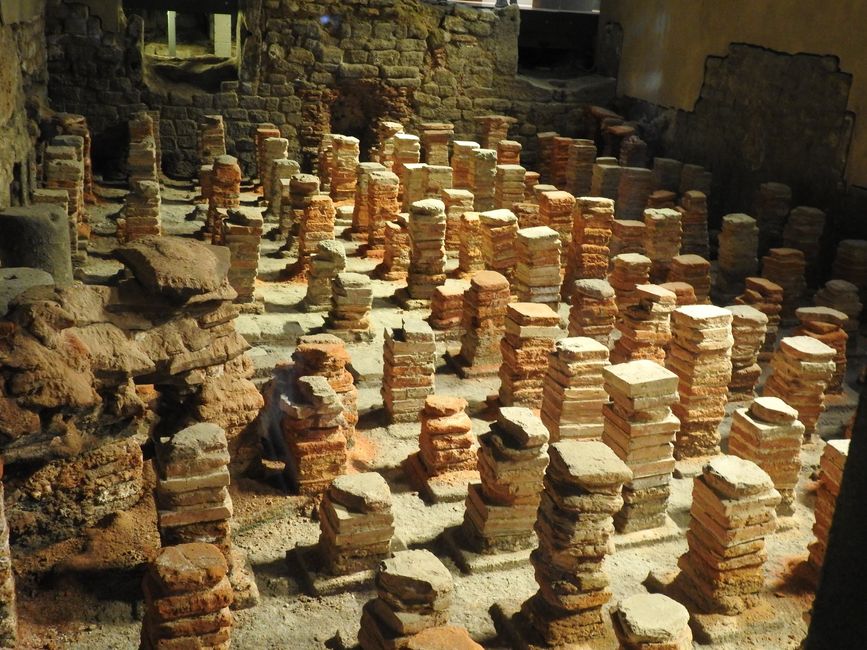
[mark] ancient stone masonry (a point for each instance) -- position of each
(509, 152)
(801, 370)
(537, 273)
(409, 360)
(693, 209)
(481, 178)
(212, 138)
(263, 132)
(592, 221)
(508, 185)
(317, 225)
(666, 174)
(64, 172)
(773, 202)
(413, 184)
(470, 258)
(700, 356)
(530, 333)
(398, 248)
(634, 186)
(614, 132)
(651, 622)
(850, 264)
(282, 170)
(645, 327)
(786, 267)
(544, 152)
(627, 236)
(344, 162)
(694, 270)
(527, 214)
(141, 212)
(826, 325)
(582, 492)
(639, 426)
(76, 125)
(328, 260)
(383, 151)
(831, 466)
(142, 157)
(413, 594)
(531, 181)
(356, 525)
(242, 235)
(683, 291)
(361, 206)
(842, 296)
(187, 599)
(738, 255)
(633, 152)
(572, 396)
(769, 434)
(463, 153)
(593, 310)
(501, 510)
(407, 150)
(436, 179)
(435, 139)
(456, 202)
(499, 230)
(493, 128)
(749, 328)
(351, 301)
(606, 182)
(662, 239)
(446, 310)
(560, 161)
(225, 193)
(662, 199)
(767, 297)
(8, 610)
(803, 232)
(301, 190)
(732, 512)
(579, 167)
(383, 205)
(427, 233)
(555, 211)
(629, 270)
(273, 149)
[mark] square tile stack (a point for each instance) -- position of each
(614, 132)
(662, 239)
(842, 296)
(544, 153)
(225, 192)
(242, 235)
(446, 309)
(769, 434)
(317, 225)
(484, 321)
(684, 292)
(435, 138)
(803, 231)
(732, 512)
(64, 169)
(662, 199)
(645, 327)
(264, 131)
(530, 334)
(786, 267)
(282, 169)
(409, 363)
(850, 264)
(187, 596)
(801, 369)
(693, 208)
(142, 156)
(634, 186)
(540, 188)
(831, 466)
(593, 310)
(361, 206)
(666, 174)
(695, 177)
(395, 256)
(560, 160)
(508, 185)
(537, 273)
(767, 297)
(355, 523)
(383, 205)
(527, 214)
(749, 328)
(8, 610)
(407, 151)
(499, 230)
(212, 138)
(627, 236)
(192, 496)
(589, 255)
(383, 150)
(582, 492)
(694, 270)
(606, 180)
(633, 152)
(446, 442)
(531, 180)
(141, 211)
(324, 160)
(461, 161)
(501, 510)
(773, 202)
(436, 179)
(272, 149)
(737, 254)
(313, 429)
(470, 256)
(351, 301)
(427, 260)
(639, 426)
(573, 396)
(555, 211)
(302, 188)
(482, 177)
(414, 593)
(493, 128)
(579, 169)
(628, 271)
(826, 325)
(413, 184)
(700, 356)
(651, 622)
(509, 152)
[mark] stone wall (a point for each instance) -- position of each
(312, 64)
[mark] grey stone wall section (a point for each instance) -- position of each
(37, 236)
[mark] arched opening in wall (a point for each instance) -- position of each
(360, 103)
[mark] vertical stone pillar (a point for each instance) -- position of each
(527, 214)
(749, 328)
(684, 292)
(446, 308)
(407, 150)
(328, 260)
(693, 210)
(732, 512)
(317, 225)
(351, 302)
(436, 179)
(456, 203)
(831, 466)
(531, 330)
(695, 177)
(645, 327)
(493, 128)
(767, 297)
(592, 221)
(666, 174)
(662, 199)
(242, 234)
(446, 442)
(826, 325)
(206, 173)
(593, 310)
(629, 270)
(555, 211)
(141, 212)
(662, 239)
(651, 622)
(396, 256)
(361, 207)
(499, 229)
(544, 153)
(850, 264)
(187, 598)
(273, 149)
(435, 138)
(633, 152)
(282, 169)
(264, 131)
(142, 156)
(461, 162)
(158, 146)
(633, 188)
(356, 525)
(582, 492)
(508, 185)
(640, 427)
(579, 168)
(481, 178)
(225, 193)
(572, 394)
(738, 255)
(509, 152)
(531, 180)
(483, 322)
(500, 510)
(606, 182)
(383, 150)
(72, 124)
(773, 202)
(842, 296)
(427, 232)
(64, 171)
(560, 161)
(537, 273)
(694, 270)
(627, 236)
(786, 267)
(212, 138)
(383, 205)
(409, 363)
(344, 162)
(700, 356)
(8, 609)
(470, 257)
(412, 184)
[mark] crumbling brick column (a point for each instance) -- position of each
(282, 169)
(427, 232)
(435, 139)
(328, 260)
(579, 167)
(544, 151)
(499, 229)
(531, 330)
(606, 182)
(826, 325)
(555, 211)
(629, 270)
(842, 296)
(509, 152)
(483, 322)
(273, 149)
(446, 308)
(142, 156)
(786, 267)
(242, 234)
(413, 184)
(633, 152)
(588, 253)
(212, 138)
(627, 236)
(749, 328)
(693, 210)
(593, 310)
(456, 203)
(831, 466)
(461, 162)
(773, 202)
(693, 270)
(537, 272)
(351, 302)
(645, 327)
(470, 257)
(72, 124)
(738, 255)
(446, 441)
(767, 297)
(633, 188)
(344, 161)
(383, 151)
(481, 178)
(493, 128)
(850, 264)
(527, 214)
(508, 185)
(264, 131)
(407, 150)
(302, 189)
(316, 225)
(361, 207)
(383, 201)
(560, 149)
(396, 256)
(141, 212)
(409, 363)
(225, 193)
(666, 174)
(436, 179)
(662, 239)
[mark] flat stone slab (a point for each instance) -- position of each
(471, 562)
(456, 363)
(650, 537)
(518, 634)
(448, 488)
(306, 564)
(402, 298)
(690, 467)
